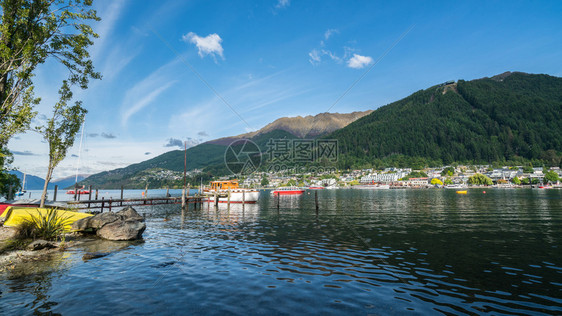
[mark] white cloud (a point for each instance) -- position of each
(358, 61)
(315, 57)
(208, 45)
(329, 33)
(143, 102)
(282, 4)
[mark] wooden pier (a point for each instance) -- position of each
(109, 204)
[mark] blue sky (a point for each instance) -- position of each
(163, 61)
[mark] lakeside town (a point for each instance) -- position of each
(395, 178)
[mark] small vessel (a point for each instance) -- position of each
(287, 191)
(462, 192)
(22, 191)
(231, 187)
(316, 188)
(82, 190)
(16, 215)
(372, 186)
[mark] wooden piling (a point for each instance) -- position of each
(316, 200)
(89, 192)
(168, 192)
(278, 201)
(110, 204)
(121, 195)
(182, 199)
(55, 195)
(102, 203)
(228, 199)
(243, 198)
(97, 194)
(216, 199)
(75, 191)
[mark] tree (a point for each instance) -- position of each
(32, 32)
(525, 181)
(449, 171)
(448, 181)
(480, 179)
(435, 181)
(60, 131)
(9, 183)
(551, 177)
(516, 181)
(264, 181)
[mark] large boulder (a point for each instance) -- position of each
(122, 230)
(126, 224)
(95, 222)
(130, 213)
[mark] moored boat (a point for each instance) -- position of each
(14, 216)
(287, 191)
(316, 188)
(372, 187)
(230, 187)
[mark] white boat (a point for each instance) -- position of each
(455, 186)
(230, 187)
(372, 186)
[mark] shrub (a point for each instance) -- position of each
(49, 226)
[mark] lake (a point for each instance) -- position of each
(365, 252)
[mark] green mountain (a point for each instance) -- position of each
(157, 171)
(509, 117)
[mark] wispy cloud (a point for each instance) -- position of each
(23, 153)
(190, 142)
(137, 97)
(329, 33)
(358, 61)
(203, 134)
(108, 135)
(282, 4)
(208, 45)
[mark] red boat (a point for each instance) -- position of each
(287, 191)
(79, 191)
(316, 188)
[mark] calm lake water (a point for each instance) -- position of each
(366, 252)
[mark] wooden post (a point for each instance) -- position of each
(146, 191)
(89, 192)
(216, 199)
(75, 191)
(55, 195)
(228, 199)
(78, 196)
(278, 201)
(243, 198)
(182, 199)
(121, 195)
(102, 203)
(168, 192)
(97, 194)
(316, 200)
(110, 204)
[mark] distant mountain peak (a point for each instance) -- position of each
(309, 126)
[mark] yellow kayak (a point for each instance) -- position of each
(462, 192)
(15, 215)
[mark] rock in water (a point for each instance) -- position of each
(95, 222)
(126, 224)
(94, 255)
(130, 213)
(40, 244)
(122, 230)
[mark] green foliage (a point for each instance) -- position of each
(60, 131)
(525, 181)
(415, 174)
(49, 226)
(436, 181)
(8, 183)
(448, 181)
(480, 179)
(32, 33)
(551, 177)
(516, 181)
(264, 181)
(528, 169)
(483, 121)
(449, 171)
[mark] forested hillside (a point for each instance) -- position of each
(512, 116)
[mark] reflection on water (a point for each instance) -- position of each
(378, 252)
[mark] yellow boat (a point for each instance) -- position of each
(17, 215)
(462, 192)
